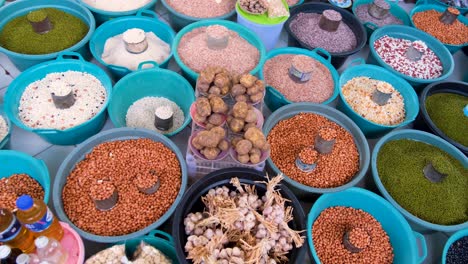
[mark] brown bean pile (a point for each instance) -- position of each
(16, 185)
(308, 155)
(101, 190)
(146, 180)
(455, 34)
(328, 231)
(291, 135)
(120, 162)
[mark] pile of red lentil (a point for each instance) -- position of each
(290, 136)
(120, 162)
(16, 185)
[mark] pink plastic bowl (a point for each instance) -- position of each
(73, 243)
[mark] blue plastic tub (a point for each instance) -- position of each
(70, 136)
(2, 2)
(274, 99)
(395, 10)
(369, 128)
(4, 142)
(404, 240)
(412, 34)
(15, 162)
(102, 16)
(440, 8)
(463, 10)
(244, 32)
(288, 111)
(458, 235)
(145, 20)
(417, 223)
(150, 82)
(79, 153)
(20, 8)
(179, 20)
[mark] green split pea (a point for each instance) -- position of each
(18, 35)
(446, 111)
(400, 166)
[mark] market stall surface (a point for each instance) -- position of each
(53, 155)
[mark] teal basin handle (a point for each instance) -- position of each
(356, 62)
(371, 25)
(155, 64)
(147, 13)
(323, 53)
(422, 245)
(69, 55)
(161, 234)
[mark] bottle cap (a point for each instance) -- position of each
(4, 251)
(22, 259)
(24, 202)
(41, 242)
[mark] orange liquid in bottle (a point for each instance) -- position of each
(13, 234)
(37, 217)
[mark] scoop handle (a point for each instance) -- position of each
(421, 245)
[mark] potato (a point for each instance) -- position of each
(235, 79)
(251, 116)
(222, 79)
(218, 105)
(247, 80)
(243, 158)
(207, 76)
(211, 153)
(255, 158)
(224, 90)
(255, 151)
(256, 136)
(223, 145)
(238, 89)
(253, 90)
(203, 137)
(203, 106)
(203, 87)
(255, 98)
(215, 90)
(266, 147)
(219, 131)
(260, 84)
(196, 144)
(235, 140)
(249, 125)
(229, 118)
(199, 119)
(216, 119)
(240, 109)
(241, 98)
(243, 147)
(236, 125)
(209, 126)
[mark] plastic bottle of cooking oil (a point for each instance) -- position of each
(37, 217)
(50, 250)
(13, 233)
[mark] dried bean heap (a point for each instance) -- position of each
(241, 227)
(393, 52)
(214, 80)
(362, 12)
(251, 147)
(3, 128)
(317, 90)
(290, 136)
(203, 8)
(210, 112)
(358, 94)
(211, 142)
(428, 21)
(120, 162)
(37, 108)
(364, 232)
(16, 185)
(253, 6)
(248, 88)
(242, 117)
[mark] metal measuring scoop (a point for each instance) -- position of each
(432, 174)
(349, 245)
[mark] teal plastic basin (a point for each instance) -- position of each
(458, 235)
(334, 115)
(463, 10)
(150, 82)
(2, 2)
(70, 136)
(145, 20)
(413, 34)
(404, 240)
(15, 162)
(79, 153)
(6, 139)
(102, 16)
(244, 32)
(273, 98)
(159, 240)
(440, 8)
(20, 8)
(357, 68)
(395, 10)
(178, 20)
(417, 223)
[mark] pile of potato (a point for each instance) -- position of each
(242, 117)
(250, 147)
(214, 80)
(210, 111)
(211, 142)
(247, 88)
